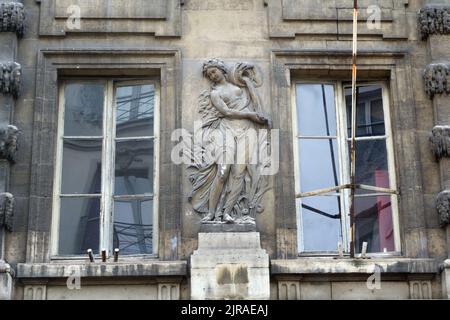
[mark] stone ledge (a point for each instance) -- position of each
(353, 266)
(119, 269)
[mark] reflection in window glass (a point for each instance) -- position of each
(83, 111)
(133, 226)
(79, 225)
(135, 110)
(374, 225)
(321, 223)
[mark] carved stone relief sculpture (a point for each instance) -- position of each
(440, 141)
(227, 178)
(8, 143)
(434, 20)
(6, 210)
(443, 207)
(10, 74)
(12, 17)
(437, 79)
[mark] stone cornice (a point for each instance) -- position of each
(10, 76)
(434, 20)
(437, 79)
(12, 17)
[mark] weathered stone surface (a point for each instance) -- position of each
(10, 74)
(389, 290)
(119, 269)
(6, 281)
(6, 210)
(434, 20)
(445, 276)
(443, 207)
(440, 141)
(437, 79)
(103, 292)
(8, 143)
(12, 17)
(229, 266)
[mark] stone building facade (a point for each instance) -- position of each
(92, 91)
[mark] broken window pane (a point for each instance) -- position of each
(133, 226)
(83, 110)
(134, 167)
(369, 112)
(321, 223)
(374, 225)
(319, 164)
(81, 172)
(316, 114)
(135, 110)
(79, 225)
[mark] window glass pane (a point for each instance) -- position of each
(133, 226)
(81, 171)
(79, 225)
(83, 110)
(369, 112)
(373, 218)
(135, 110)
(321, 223)
(316, 114)
(372, 164)
(134, 167)
(319, 166)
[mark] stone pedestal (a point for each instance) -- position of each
(446, 280)
(229, 265)
(6, 282)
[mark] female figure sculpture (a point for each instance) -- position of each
(229, 192)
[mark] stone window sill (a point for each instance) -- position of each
(99, 269)
(327, 266)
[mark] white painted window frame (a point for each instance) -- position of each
(344, 165)
(108, 160)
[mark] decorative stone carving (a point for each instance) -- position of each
(168, 291)
(8, 143)
(227, 178)
(10, 74)
(12, 17)
(434, 20)
(443, 207)
(6, 210)
(437, 79)
(440, 141)
(420, 289)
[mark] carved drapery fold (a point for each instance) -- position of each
(10, 76)
(12, 17)
(6, 210)
(440, 141)
(8, 143)
(443, 207)
(434, 20)
(437, 79)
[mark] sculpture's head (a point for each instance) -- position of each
(215, 70)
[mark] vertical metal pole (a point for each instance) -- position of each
(353, 142)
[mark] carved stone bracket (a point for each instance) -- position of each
(6, 210)
(437, 79)
(443, 207)
(10, 76)
(8, 143)
(434, 20)
(440, 141)
(12, 17)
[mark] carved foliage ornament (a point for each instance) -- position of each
(8, 143)
(10, 74)
(225, 189)
(12, 17)
(437, 79)
(6, 210)
(443, 207)
(434, 20)
(440, 141)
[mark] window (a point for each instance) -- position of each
(322, 139)
(106, 180)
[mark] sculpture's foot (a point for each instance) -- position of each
(227, 218)
(208, 217)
